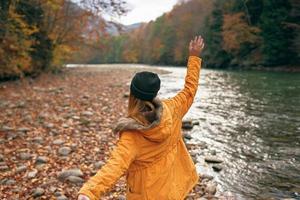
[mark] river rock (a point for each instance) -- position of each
(62, 197)
(99, 164)
(6, 128)
(58, 142)
(23, 129)
(187, 136)
(4, 168)
(212, 159)
(1, 158)
(32, 173)
(21, 169)
(64, 151)
(70, 172)
(49, 125)
(41, 160)
(38, 140)
(187, 125)
(87, 113)
(38, 192)
(211, 188)
(75, 179)
(25, 156)
(217, 168)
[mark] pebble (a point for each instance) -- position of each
(1, 158)
(64, 151)
(212, 159)
(188, 125)
(23, 129)
(99, 164)
(211, 188)
(58, 142)
(217, 168)
(75, 179)
(7, 128)
(49, 125)
(65, 125)
(21, 168)
(62, 197)
(25, 156)
(38, 140)
(38, 192)
(87, 113)
(70, 172)
(206, 176)
(41, 160)
(187, 136)
(4, 168)
(32, 174)
(9, 182)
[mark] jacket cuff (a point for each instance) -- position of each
(195, 58)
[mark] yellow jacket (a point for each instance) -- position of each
(154, 158)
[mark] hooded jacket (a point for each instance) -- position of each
(155, 159)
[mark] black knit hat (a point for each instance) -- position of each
(145, 85)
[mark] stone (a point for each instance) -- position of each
(32, 173)
(1, 158)
(217, 168)
(75, 179)
(38, 192)
(21, 169)
(23, 129)
(99, 164)
(211, 188)
(38, 140)
(87, 113)
(25, 156)
(64, 151)
(121, 197)
(58, 142)
(41, 160)
(4, 168)
(187, 136)
(187, 125)
(65, 125)
(62, 197)
(70, 172)
(212, 159)
(49, 125)
(7, 128)
(206, 176)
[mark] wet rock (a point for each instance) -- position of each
(25, 156)
(70, 172)
(32, 174)
(38, 192)
(75, 179)
(64, 151)
(212, 159)
(217, 168)
(58, 142)
(187, 125)
(62, 197)
(41, 160)
(21, 169)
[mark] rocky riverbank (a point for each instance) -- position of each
(55, 132)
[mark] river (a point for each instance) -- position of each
(251, 120)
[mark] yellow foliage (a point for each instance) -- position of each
(236, 32)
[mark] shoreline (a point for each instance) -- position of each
(61, 123)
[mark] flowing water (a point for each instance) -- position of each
(252, 121)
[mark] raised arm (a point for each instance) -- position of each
(118, 163)
(184, 99)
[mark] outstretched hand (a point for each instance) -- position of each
(196, 46)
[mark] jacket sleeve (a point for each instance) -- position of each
(181, 103)
(120, 159)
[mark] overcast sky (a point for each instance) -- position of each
(146, 10)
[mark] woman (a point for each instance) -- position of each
(151, 150)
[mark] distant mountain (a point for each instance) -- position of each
(115, 29)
